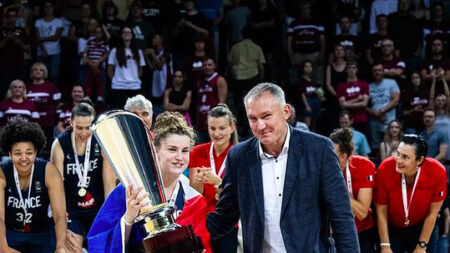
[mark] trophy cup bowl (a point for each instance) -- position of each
(125, 141)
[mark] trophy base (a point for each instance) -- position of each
(180, 240)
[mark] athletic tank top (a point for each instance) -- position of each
(208, 98)
(36, 218)
(93, 199)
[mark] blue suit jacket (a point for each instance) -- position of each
(314, 188)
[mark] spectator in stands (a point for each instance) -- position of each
(437, 140)
(307, 90)
(46, 97)
(191, 22)
(193, 67)
(246, 62)
(359, 174)
(361, 146)
(16, 106)
(379, 7)
(335, 74)
(414, 100)
(375, 40)
(392, 138)
(293, 122)
(394, 67)
(214, 13)
(306, 41)
(160, 62)
(406, 33)
(437, 65)
(125, 69)
(384, 95)
(264, 24)
(48, 32)
(94, 56)
(237, 18)
(436, 28)
(210, 92)
(143, 30)
(406, 222)
(66, 110)
(14, 43)
(442, 110)
(353, 95)
(142, 107)
(418, 10)
(178, 96)
(348, 41)
(112, 23)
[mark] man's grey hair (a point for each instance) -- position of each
(259, 89)
(139, 101)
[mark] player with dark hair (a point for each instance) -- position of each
(28, 185)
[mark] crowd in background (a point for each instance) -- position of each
(380, 68)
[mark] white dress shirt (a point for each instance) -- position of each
(273, 174)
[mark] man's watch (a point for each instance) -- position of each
(422, 244)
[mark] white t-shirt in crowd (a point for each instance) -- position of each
(126, 77)
(48, 29)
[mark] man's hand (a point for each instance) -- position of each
(386, 249)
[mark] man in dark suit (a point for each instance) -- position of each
(282, 183)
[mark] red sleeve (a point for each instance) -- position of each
(195, 157)
(2, 114)
(381, 191)
(440, 190)
(367, 168)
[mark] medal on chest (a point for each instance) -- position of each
(82, 175)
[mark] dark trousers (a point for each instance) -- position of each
(406, 239)
(226, 244)
(119, 97)
(367, 241)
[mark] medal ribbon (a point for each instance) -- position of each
(16, 178)
(174, 196)
(348, 176)
(405, 194)
(82, 178)
(213, 164)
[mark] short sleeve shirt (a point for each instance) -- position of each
(46, 97)
(380, 96)
(351, 90)
(126, 77)
(363, 176)
(48, 29)
(431, 187)
(308, 88)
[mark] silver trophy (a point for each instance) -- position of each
(126, 143)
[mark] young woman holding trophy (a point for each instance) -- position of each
(115, 228)
(88, 177)
(28, 185)
(207, 166)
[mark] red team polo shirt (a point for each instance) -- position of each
(199, 157)
(362, 171)
(431, 187)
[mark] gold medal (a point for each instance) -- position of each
(217, 195)
(406, 222)
(82, 192)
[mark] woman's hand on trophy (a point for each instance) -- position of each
(135, 201)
